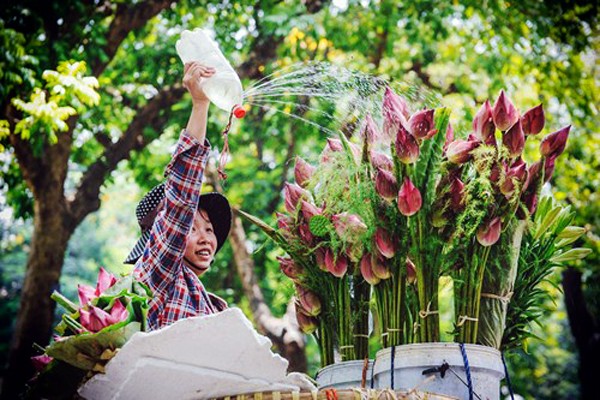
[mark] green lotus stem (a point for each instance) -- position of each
(64, 302)
(477, 294)
(75, 326)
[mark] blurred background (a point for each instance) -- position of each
(70, 180)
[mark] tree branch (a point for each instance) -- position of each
(417, 68)
(86, 199)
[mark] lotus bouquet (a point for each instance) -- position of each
(391, 211)
(91, 332)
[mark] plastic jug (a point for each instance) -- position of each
(224, 88)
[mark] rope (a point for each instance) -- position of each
(512, 396)
(467, 369)
(225, 151)
(373, 373)
(331, 394)
(463, 318)
(504, 299)
(426, 313)
(392, 369)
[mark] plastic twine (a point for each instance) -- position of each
(225, 151)
(467, 369)
(512, 396)
(392, 369)
(373, 373)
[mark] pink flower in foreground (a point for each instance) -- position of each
(421, 124)
(457, 188)
(386, 185)
(483, 124)
(346, 224)
(370, 130)
(489, 233)
(40, 362)
(366, 270)
(380, 269)
(459, 151)
(303, 172)
(320, 258)
(87, 293)
(554, 143)
(292, 194)
(118, 313)
(411, 271)
(449, 136)
(337, 266)
(289, 268)
(309, 301)
(407, 148)
(395, 112)
(309, 210)
(504, 112)
(380, 160)
(518, 175)
(94, 319)
(384, 243)
(306, 323)
(409, 198)
(533, 121)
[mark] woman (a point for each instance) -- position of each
(181, 229)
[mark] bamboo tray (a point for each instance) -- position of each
(341, 394)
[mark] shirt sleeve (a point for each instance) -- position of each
(162, 257)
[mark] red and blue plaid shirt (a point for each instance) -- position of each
(178, 292)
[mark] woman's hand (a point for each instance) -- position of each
(194, 75)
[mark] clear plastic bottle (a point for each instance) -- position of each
(224, 88)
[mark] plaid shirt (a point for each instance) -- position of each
(178, 292)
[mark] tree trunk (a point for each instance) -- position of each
(585, 331)
(36, 312)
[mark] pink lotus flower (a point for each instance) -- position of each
(411, 271)
(384, 243)
(309, 210)
(457, 188)
(386, 184)
(309, 301)
(292, 194)
(95, 319)
(554, 143)
(514, 139)
(337, 266)
(289, 268)
(303, 172)
(549, 168)
(407, 148)
(320, 258)
(459, 151)
(421, 124)
(284, 223)
(366, 270)
(40, 362)
(370, 130)
(118, 313)
(306, 234)
(348, 225)
(449, 136)
(409, 198)
(483, 124)
(515, 175)
(87, 293)
(395, 112)
(533, 121)
(489, 233)
(306, 323)
(335, 145)
(380, 269)
(504, 112)
(380, 160)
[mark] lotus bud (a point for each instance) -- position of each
(514, 175)
(449, 136)
(489, 233)
(337, 266)
(118, 313)
(386, 184)
(309, 210)
(348, 225)
(533, 121)
(306, 234)
(320, 258)
(380, 269)
(306, 323)
(86, 294)
(366, 270)
(407, 148)
(533, 175)
(292, 194)
(504, 113)
(483, 124)
(309, 301)
(94, 319)
(40, 362)
(395, 112)
(459, 151)
(370, 130)
(554, 143)
(548, 168)
(514, 139)
(409, 198)
(421, 124)
(380, 160)
(384, 243)
(457, 188)
(302, 172)
(530, 200)
(284, 223)
(289, 268)
(411, 271)
(105, 280)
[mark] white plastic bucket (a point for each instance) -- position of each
(485, 364)
(344, 375)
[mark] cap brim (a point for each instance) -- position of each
(138, 249)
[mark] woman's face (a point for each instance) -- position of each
(201, 244)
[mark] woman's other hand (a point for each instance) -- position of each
(194, 75)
